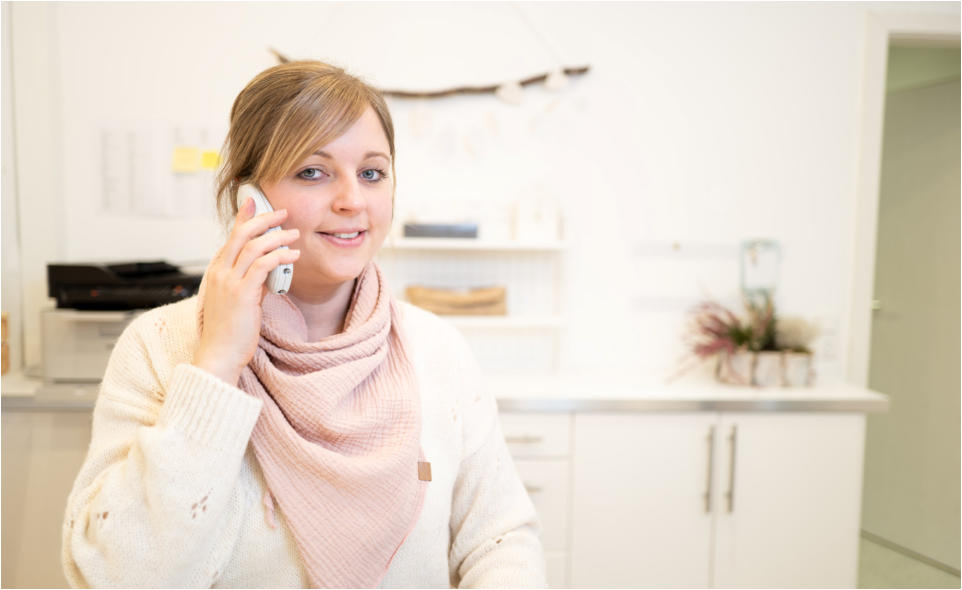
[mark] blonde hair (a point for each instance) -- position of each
(286, 113)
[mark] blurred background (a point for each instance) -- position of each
(808, 152)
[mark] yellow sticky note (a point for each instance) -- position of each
(209, 160)
(186, 159)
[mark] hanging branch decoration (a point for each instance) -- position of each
(491, 89)
(509, 91)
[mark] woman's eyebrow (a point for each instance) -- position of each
(324, 154)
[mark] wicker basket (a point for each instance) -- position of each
(481, 301)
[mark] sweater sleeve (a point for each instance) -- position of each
(156, 502)
(494, 527)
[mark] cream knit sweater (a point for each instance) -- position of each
(170, 495)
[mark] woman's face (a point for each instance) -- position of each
(340, 200)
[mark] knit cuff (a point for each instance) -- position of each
(208, 410)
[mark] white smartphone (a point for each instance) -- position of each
(279, 279)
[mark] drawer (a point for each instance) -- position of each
(547, 483)
(537, 435)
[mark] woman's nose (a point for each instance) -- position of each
(348, 196)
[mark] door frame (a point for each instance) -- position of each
(882, 27)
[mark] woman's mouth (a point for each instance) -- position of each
(346, 239)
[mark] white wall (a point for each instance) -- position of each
(702, 124)
(11, 284)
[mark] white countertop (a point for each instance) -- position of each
(586, 392)
(551, 393)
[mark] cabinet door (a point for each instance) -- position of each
(639, 515)
(792, 519)
(556, 568)
(42, 454)
(547, 484)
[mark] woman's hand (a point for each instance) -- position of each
(234, 289)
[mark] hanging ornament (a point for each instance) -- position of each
(509, 92)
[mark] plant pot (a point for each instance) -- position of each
(767, 369)
(798, 369)
(735, 368)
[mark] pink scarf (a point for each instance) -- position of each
(338, 438)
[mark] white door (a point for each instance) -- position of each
(639, 513)
(789, 505)
(912, 454)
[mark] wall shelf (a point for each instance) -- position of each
(472, 244)
(528, 339)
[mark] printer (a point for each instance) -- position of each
(121, 286)
(95, 302)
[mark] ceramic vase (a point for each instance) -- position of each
(735, 368)
(767, 369)
(798, 369)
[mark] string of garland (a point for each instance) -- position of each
(489, 89)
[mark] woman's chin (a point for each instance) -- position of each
(305, 283)
(345, 273)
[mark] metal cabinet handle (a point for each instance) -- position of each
(711, 462)
(730, 494)
(532, 489)
(524, 439)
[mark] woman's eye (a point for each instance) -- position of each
(373, 174)
(310, 174)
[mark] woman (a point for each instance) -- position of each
(329, 437)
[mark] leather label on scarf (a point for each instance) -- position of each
(424, 471)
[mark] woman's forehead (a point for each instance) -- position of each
(364, 139)
(364, 156)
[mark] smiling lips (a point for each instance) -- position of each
(348, 238)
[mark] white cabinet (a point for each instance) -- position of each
(796, 497)
(42, 453)
(540, 445)
(716, 499)
(639, 509)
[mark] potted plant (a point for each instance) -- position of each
(766, 360)
(758, 349)
(715, 332)
(793, 336)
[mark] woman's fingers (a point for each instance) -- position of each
(225, 254)
(260, 268)
(247, 228)
(251, 251)
(245, 211)
(261, 245)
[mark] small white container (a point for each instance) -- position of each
(736, 368)
(798, 369)
(767, 369)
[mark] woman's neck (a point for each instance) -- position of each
(324, 311)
